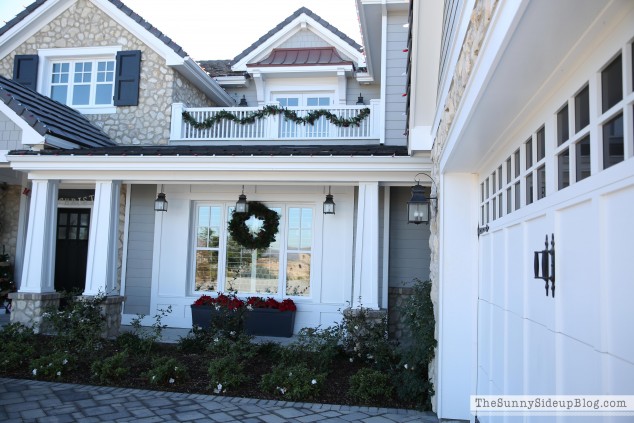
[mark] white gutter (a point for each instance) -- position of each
(190, 69)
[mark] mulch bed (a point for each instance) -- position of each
(335, 389)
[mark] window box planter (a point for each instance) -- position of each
(257, 322)
(202, 315)
(269, 322)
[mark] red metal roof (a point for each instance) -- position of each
(315, 56)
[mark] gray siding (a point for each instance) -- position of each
(368, 91)
(395, 85)
(409, 243)
(140, 248)
(10, 134)
(449, 27)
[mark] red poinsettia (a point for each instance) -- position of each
(272, 303)
(232, 302)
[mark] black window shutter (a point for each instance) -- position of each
(126, 88)
(25, 70)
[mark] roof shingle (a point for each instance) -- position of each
(49, 117)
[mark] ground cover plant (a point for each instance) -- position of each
(352, 363)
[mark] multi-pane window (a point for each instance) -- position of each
(298, 250)
(82, 83)
(611, 95)
(570, 141)
(207, 248)
(221, 264)
(252, 271)
(582, 109)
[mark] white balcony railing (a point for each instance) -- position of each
(274, 127)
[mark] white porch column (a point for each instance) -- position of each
(101, 266)
(38, 270)
(365, 287)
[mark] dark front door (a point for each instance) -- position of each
(72, 249)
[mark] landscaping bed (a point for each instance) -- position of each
(352, 363)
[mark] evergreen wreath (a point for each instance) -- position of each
(272, 110)
(241, 234)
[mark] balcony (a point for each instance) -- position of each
(274, 127)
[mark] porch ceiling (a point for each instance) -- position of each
(535, 51)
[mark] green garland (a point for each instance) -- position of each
(273, 110)
(241, 234)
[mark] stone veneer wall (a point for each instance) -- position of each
(9, 213)
(85, 25)
(397, 327)
(479, 23)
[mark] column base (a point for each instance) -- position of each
(111, 308)
(28, 307)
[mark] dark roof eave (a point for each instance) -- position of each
(226, 151)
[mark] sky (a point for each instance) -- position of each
(221, 29)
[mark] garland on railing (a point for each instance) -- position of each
(272, 110)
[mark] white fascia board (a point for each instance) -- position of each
(233, 81)
(170, 56)
(197, 76)
(293, 27)
(364, 78)
(29, 135)
(31, 24)
(288, 169)
(420, 139)
(271, 70)
(503, 23)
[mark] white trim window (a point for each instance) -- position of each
(586, 137)
(82, 83)
(283, 269)
(82, 78)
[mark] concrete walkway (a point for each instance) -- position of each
(35, 401)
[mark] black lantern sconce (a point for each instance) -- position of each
(160, 204)
(546, 258)
(329, 204)
(243, 102)
(360, 101)
(241, 205)
(418, 206)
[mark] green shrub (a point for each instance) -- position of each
(369, 385)
(239, 344)
(413, 384)
(52, 366)
(226, 373)
(317, 348)
(196, 341)
(296, 383)
(112, 369)
(78, 326)
(17, 346)
(143, 339)
(365, 338)
(167, 371)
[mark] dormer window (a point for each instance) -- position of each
(93, 80)
(82, 83)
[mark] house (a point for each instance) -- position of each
(529, 108)
(84, 209)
